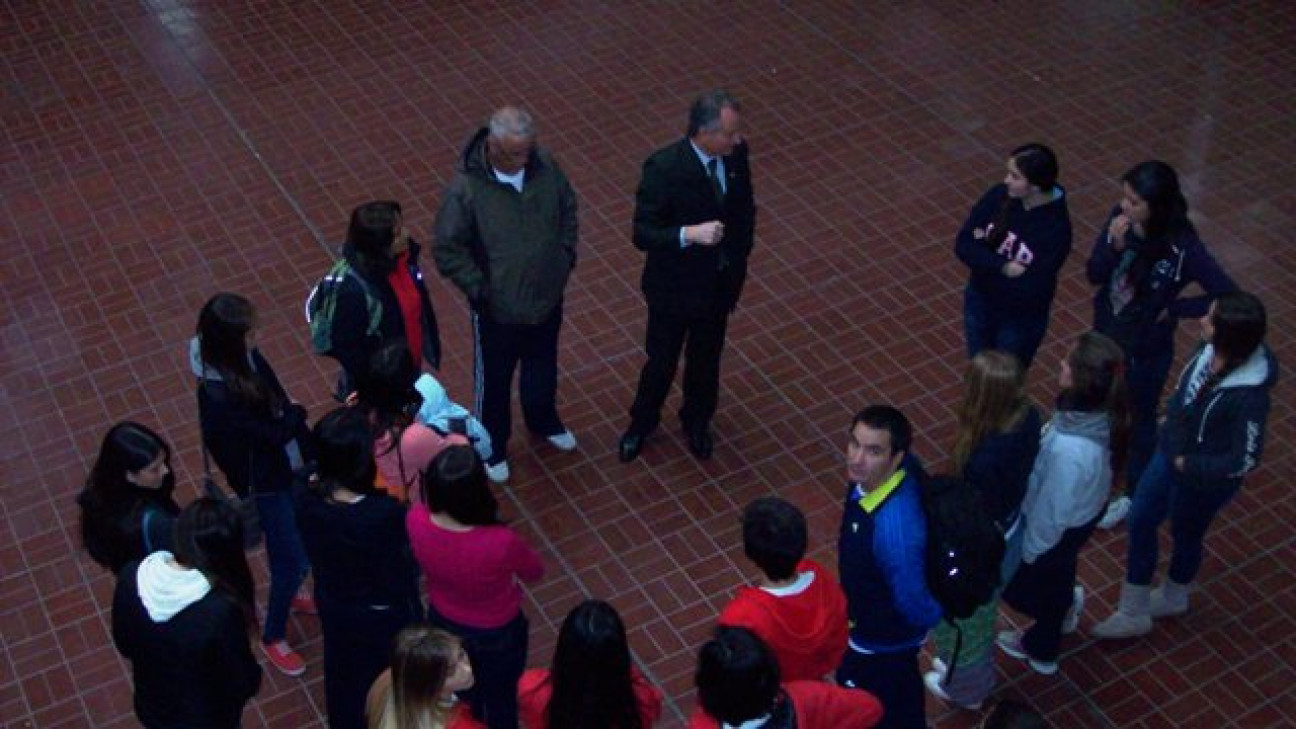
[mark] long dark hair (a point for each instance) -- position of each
(209, 538)
(423, 659)
(386, 392)
(110, 503)
(1037, 163)
(455, 484)
(1158, 184)
(344, 453)
(591, 677)
(223, 325)
(1098, 385)
(1240, 324)
(370, 235)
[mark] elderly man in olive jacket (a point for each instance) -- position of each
(506, 236)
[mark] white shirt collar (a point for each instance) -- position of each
(515, 180)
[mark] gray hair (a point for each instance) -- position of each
(511, 121)
(704, 114)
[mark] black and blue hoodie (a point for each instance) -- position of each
(1220, 433)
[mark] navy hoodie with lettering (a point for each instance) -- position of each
(1039, 239)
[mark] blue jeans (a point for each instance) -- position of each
(1145, 378)
(498, 657)
(287, 558)
(985, 327)
(1162, 492)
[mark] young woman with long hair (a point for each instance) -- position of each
(184, 620)
(128, 507)
(1212, 437)
(418, 692)
(592, 682)
(403, 446)
(1085, 443)
(474, 566)
(1014, 242)
(1143, 259)
(366, 580)
(994, 449)
(384, 271)
(259, 439)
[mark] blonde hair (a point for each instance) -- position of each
(408, 696)
(994, 401)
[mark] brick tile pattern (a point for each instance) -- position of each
(155, 152)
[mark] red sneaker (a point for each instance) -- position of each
(285, 659)
(304, 603)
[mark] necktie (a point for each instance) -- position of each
(713, 173)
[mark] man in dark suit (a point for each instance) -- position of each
(694, 217)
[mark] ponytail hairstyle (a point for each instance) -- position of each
(386, 392)
(344, 454)
(209, 538)
(223, 326)
(1098, 385)
(1240, 323)
(1039, 166)
(1157, 184)
(370, 234)
(111, 502)
(994, 401)
(423, 658)
(591, 677)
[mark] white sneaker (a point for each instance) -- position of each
(499, 473)
(1009, 641)
(1117, 510)
(563, 441)
(939, 666)
(1072, 619)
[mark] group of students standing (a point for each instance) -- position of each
(392, 489)
(1047, 490)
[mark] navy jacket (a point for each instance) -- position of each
(249, 447)
(880, 556)
(1220, 433)
(1137, 328)
(1000, 467)
(194, 670)
(352, 345)
(675, 191)
(1039, 239)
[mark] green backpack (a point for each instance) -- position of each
(321, 306)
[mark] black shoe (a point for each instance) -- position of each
(631, 444)
(699, 442)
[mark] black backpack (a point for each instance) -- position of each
(964, 547)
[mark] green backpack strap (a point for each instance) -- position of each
(321, 305)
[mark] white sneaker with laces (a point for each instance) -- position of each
(1009, 641)
(499, 473)
(563, 441)
(1116, 512)
(1072, 619)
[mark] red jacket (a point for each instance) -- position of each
(807, 631)
(818, 705)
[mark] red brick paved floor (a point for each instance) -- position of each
(157, 151)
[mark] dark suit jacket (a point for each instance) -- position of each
(675, 191)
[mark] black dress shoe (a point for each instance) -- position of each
(699, 442)
(631, 444)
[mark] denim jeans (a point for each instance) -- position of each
(1160, 493)
(498, 657)
(987, 328)
(287, 558)
(1145, 378)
